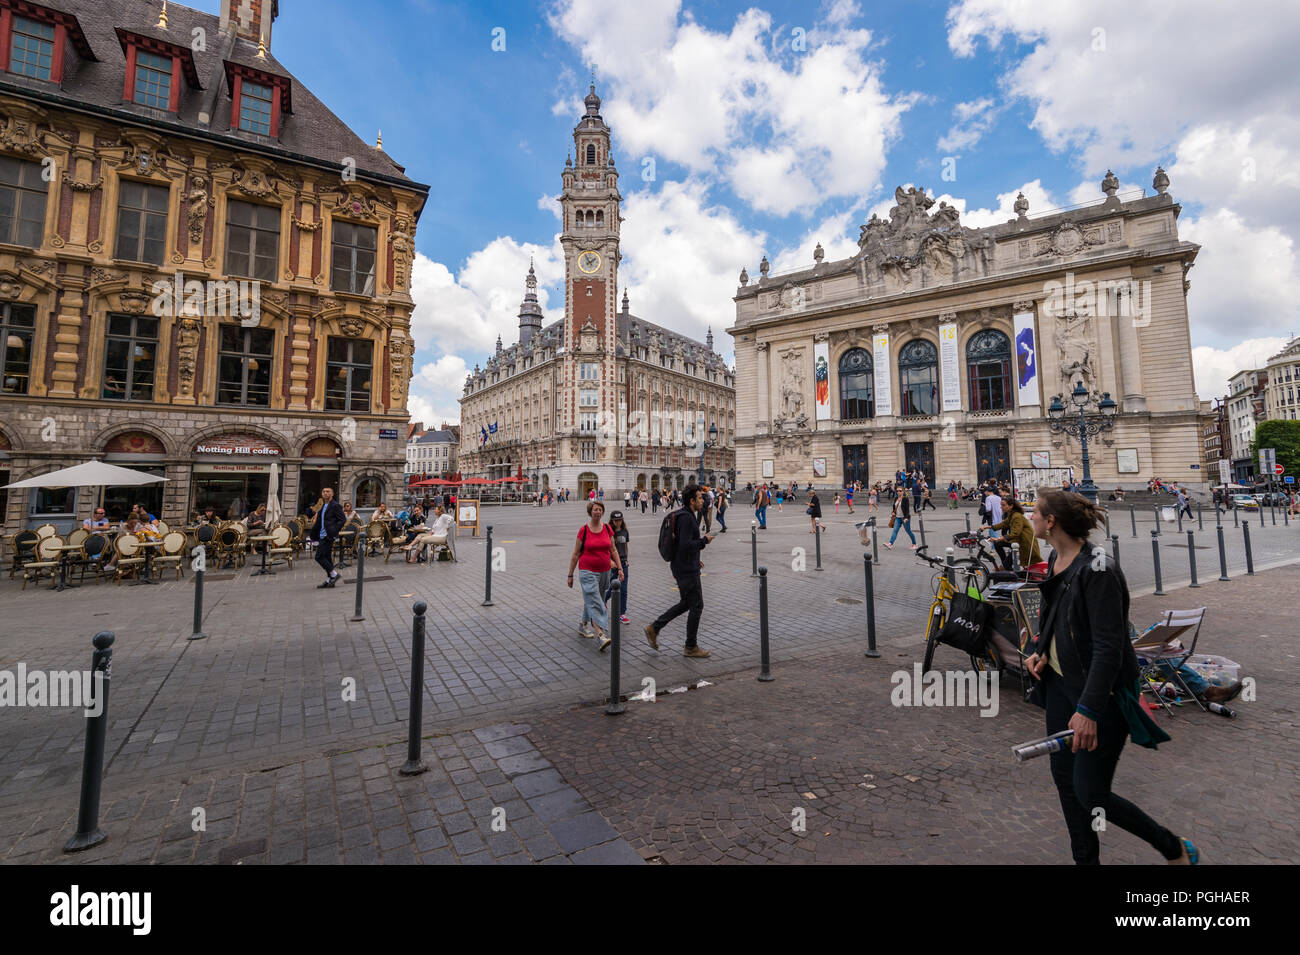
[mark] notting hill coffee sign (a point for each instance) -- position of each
(238, 445)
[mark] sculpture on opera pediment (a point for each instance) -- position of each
(917, 247)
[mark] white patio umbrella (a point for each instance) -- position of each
(273, 509)
(93, 473)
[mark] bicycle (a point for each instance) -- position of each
(944, 590)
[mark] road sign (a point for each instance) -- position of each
(1195, 467)
(1288, 479)
(1278, 469)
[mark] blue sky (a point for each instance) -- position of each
(742, 130)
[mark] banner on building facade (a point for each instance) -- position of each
(1026, 359)
(884, 389)
(822, 376)
(948, 372)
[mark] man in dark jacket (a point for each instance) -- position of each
(687, 544)
(325, 529)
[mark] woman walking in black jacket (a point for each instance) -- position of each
(1088, 680)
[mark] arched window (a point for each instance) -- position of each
(370, 491)
(918, 377)
(988, 362)
(600, 219)
(857, 386)
(591, 154)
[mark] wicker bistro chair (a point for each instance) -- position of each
(95, 550)
(46, 530)
(230, 547)
(78, 535)
(347, 544)
(173, 553)
(164, 529)
(46, 562)
(129, 559)
(23, 547)
(281, 546)
(376, 537)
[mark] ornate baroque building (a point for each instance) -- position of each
(203, 272)
(940, 347)
(601, 398)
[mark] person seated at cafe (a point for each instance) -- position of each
(351, 517)
(210, 516)
(143, 513)
(437, 534)
(99, 522)
(145, 530)
(256, 519)
(382, 513)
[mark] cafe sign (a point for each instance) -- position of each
(238, 445)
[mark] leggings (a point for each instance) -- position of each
(1083, 782)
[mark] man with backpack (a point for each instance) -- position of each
(680, 544)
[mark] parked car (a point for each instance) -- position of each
(1245, 501)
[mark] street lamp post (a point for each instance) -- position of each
(1096, 414)
(711, 442)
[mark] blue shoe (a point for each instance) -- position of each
(1190, 854)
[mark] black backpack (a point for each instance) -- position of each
(668, 535)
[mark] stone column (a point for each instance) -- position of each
(68, 323)
(300, 343)
(763, 425)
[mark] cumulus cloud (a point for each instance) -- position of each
(974, 119)
(1214, 366)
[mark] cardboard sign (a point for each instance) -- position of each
(467, 516)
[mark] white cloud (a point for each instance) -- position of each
(785, 127)
(1040, 200)
(1251, 168)
(1214, 366)
(974, 119)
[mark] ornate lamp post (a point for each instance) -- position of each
(712, 442)
(1096, 414)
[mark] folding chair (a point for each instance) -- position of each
(1165, 651)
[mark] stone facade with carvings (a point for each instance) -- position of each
(602, 398)
(940, 346)
(289, 238)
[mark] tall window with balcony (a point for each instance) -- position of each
(17, 327)
(857, 397)
(252, 240)
(141, 222)
(988, 362)
(918, 377)
(244, 376)
(352, 262)
(348, 375)
(22, 202)
(130, 358)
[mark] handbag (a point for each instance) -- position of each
(967, 625)
(808, 509)
(891, 520)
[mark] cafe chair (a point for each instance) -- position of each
(376, 537)
(347, 545)
(46, 562)
(46, 530)
(164, 529)
(173, 553)
(129, 559)
(230, 547)
(281, 546)
(78, 535)
(23, 545)
(93, 550)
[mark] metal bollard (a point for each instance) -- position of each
(1132, 515)
(765, 667)
(414, 765)
(753, 547)
(1250, 559)
(615, 693)
(92, 767)
(1261, 515)
(1223, 556)
(1200, 517)
(1191, 556)
(1180, 520)
(198, 564)
(871, 608)
(361, 574)
(818, 535)
(1156, 509)
(1114, 550)
(921, 519)
(1155, 558)
(1106, 514)
(487, 594)
(1235, 521)
(949, 565)
(1016, 566)
(968, 522)
(1272, 510)
(875, 542)
(1218, 516)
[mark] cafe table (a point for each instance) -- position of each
(265, 539)
(66, 550)
(148, 547)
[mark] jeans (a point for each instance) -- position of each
(902, 525)
(722, 518)
(1083, 781)
(761, 514)
(609, 590)
(325, 554)
(593, 604)
(692, 600)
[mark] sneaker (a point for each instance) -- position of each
(623, 619)
(585, 631)
(888, 545)
(697, 652)
(915, 546)
(651, 637)
(1189, 857)
(604, 642)
(328, 583)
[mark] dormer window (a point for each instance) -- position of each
(255, 108)
(153, 80)
(31, 51)
(258, 100)
(155, 70)
(33, 40)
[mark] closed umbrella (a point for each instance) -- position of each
(273, 509)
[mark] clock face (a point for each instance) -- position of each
(589, 262)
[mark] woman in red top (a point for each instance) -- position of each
(593, 554)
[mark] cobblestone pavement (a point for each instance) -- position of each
(261, 698)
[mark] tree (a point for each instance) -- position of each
(1284, 438)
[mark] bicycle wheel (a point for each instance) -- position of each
(932, 637)
(976, 569)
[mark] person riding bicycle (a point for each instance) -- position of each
(1016, 529)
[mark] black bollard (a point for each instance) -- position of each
(1156, 508)
(1191, 556)
(1218, 516)
(1272, 510)
(361, 575)
(1180, 520)
(414, 765)
(615, 694)
(1155, 558)
(487, 587)
(1106, 514)
(949, 565)
(871, 608)
(922, 522)
(1132, 516)
(92, 767)
(818, 535)
(875, 542)
(1200, 517)
(1235, 521)
(753, 547)
(1261, 515)
(1114, 550)
(968, 522)
(1250, 560)
(198, 564)
(1223, 556)
(765, 663)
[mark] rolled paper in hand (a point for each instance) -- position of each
(1041, 747)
